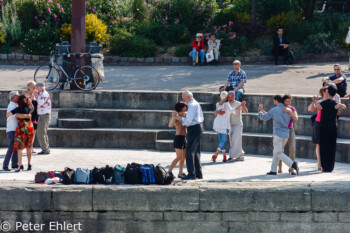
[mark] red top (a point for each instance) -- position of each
(195, 45)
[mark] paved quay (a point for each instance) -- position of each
(303, 79)
(253, 168)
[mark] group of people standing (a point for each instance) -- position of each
(28, 114)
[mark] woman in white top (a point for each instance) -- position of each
(222, 125)
(214, 45)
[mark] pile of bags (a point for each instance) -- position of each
(134, 173)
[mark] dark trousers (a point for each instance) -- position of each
(280, 51)
(193, 151)
(328, 144)
(10, 154)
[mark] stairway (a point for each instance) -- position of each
(139, 120)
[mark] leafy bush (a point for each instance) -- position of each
(138, 8)
(128, 44)
(182, 50)
(95, 30)
(40, 41)
(10, 24)
(267, 8)
(320, 43)
(26, 12)
(2, 35)
(284, 20)
(108, 10)
(193, 14)
(155, 31)
(264, 45)
(234, 47)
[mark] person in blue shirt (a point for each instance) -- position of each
(235, 81)
(281, 117)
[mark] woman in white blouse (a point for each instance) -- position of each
(222, 125)
(214, 45)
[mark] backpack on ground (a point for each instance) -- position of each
(118, 174)
(162, 176)
(147, 173)
(103, 175)
(68, 176)
(132, 174)
(41, 177)
(82, 176)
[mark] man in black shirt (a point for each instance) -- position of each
(339, 79)
(280, 46)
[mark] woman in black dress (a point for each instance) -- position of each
(328, 128)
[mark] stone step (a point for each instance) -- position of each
(76, 123)
(253, 143)
(164, 145)
(159, 119)
(158, 100)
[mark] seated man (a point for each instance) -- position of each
(280, 46)
(198, 49)
(235, 81)
(339, 79)
(214, 45)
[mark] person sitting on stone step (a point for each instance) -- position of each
(281, 119)
(179, 143)
(235, 81)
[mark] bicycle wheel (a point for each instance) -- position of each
(86, 78)
(48, 75)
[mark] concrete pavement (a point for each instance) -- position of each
(253, 168)
(294, 79)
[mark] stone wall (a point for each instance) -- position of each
(20, 59)
(192, 207)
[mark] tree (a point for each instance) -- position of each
(253, 15)
(306, 6)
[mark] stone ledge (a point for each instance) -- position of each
(20, 59)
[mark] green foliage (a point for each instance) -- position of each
(320, 43)
(234, 47)
(268, 8)
(182, 50)
(138, 9)
(129, 44)
(40, 41)
(264, 45)
(108, 11)
(26, 12)
(11, 24)
(5, 49)
(192, 14)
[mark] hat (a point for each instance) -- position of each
(40, 85)
(13, 94)
(223, 95)
(199, 34)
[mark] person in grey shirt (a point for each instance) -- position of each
(281, 117)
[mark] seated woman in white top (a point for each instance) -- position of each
(214, 45)
(222, 125)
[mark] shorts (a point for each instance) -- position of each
(179, 142)
(316, 133)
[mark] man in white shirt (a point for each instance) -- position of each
(193, 121)
(11, 126)
(44, 117)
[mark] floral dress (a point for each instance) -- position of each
(25, 131)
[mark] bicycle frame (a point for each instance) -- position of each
(69, 77)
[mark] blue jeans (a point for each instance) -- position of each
(222, 141)
(194, 52)
(239, 94)
(10, 153)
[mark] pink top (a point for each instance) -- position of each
(318, 118)
(290, 126)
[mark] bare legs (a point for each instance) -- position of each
(19, 154)
(216, 155)
(180, 157)
(29, 155)
(318, 157)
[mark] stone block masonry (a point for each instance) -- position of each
(20, 59)
(184, 207)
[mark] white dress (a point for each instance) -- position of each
(222, 122)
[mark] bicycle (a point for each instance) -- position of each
(84, 77)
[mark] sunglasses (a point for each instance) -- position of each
(336, 69)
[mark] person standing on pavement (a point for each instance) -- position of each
(235, 81)
(281, 119)
(11, 125)
(44, 117)
(31, 88)
(193, 121)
